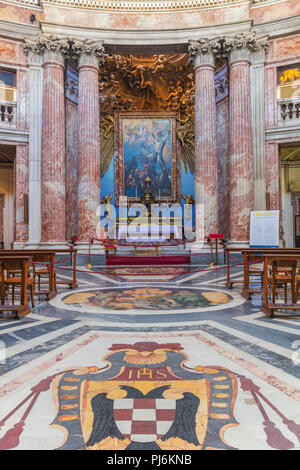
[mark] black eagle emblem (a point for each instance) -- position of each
(183, 425)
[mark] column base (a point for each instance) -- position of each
(237, 244)
(197, 246)
(95, 249)
(32, 245)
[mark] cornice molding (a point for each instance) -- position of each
(32, 4)
(14, 135)
(13, 30)
(140, 5)
(278, 28)
(143, 5)
(284, 132)
(151, 38)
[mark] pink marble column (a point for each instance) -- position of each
(53, 217)
(240, 142)
(21, 190)
(206, 180)
(89, 53)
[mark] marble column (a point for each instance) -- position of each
(53, 141)
(202, 55)
(90, 54)
(35, 136)
(240, 140)
(258, 123)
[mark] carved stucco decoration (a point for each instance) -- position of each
(156, 83)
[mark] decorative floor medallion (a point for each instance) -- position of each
(146, 298)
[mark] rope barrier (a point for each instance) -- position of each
(154, 274)
(53, 264)
(99, 254)
(116, 242)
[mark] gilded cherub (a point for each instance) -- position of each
(189, 200)
(107, 201)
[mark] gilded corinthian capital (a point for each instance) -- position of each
(50, 48)
(88, 52)
(203, 51)
(242, 45)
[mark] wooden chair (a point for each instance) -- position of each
(283, 272)
(297, 285)
(7, 281)
(43, 271)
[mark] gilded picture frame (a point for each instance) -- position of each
(146, 146)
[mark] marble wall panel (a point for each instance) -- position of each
(21, 188)
(139, 21)
(284, 48)
(11, 52)
(273, 175)
(276, 11)
(223, 166)
(71, 168)
(22, 99)
(17, 13)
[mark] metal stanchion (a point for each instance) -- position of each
(89, 256)
(211, 253)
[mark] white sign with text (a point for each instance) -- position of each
(264, 229)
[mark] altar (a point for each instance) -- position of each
(148, 233)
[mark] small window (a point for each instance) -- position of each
(7, 86)
(288, 82)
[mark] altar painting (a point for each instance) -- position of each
(147, 152)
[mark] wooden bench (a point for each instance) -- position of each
(274, 260)
(250, 255)
(21, 263)
(229, 282)
(50, 293)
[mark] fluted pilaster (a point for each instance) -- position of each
(35, 137)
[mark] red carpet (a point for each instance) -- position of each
(147, 260)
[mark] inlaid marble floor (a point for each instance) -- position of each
(150, 358)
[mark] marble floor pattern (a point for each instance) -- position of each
(167, 359)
